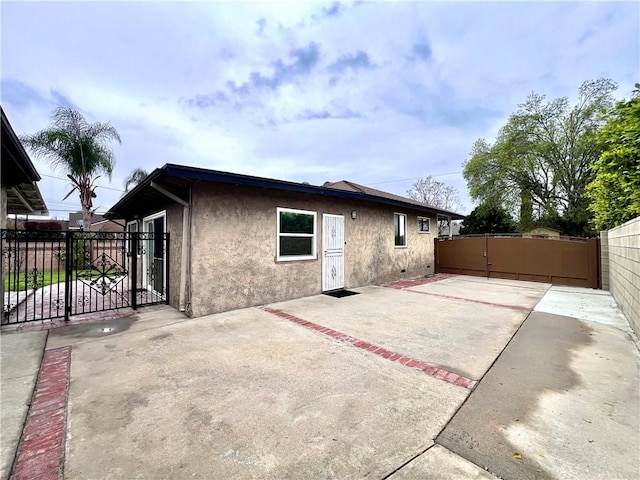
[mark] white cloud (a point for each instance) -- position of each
(416, 113)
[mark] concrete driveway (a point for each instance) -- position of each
(321, 387)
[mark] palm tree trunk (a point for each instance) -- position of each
(86, 201)
(86, 219)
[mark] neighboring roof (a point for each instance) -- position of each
(355, 187)
(19, 175)
(553, 229)
(177, 179)
(108, 226)
(76, 219)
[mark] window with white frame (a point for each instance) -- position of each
(296, 234)
(400, 229)
(424, 225)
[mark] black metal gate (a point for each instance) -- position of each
(57, 274)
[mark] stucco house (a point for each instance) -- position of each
(238, 241)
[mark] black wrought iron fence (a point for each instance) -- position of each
(54, 274)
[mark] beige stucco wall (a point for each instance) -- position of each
(624, 269)
(174, 227)
(234, 247)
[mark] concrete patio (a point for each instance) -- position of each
(376, 385)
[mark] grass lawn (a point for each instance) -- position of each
(26, 280)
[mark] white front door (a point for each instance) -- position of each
(333, 252)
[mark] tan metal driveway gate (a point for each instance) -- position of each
(563, 261)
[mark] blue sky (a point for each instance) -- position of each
(377, 93)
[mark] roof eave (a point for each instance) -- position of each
(130, 196)
(26, 199)
(13, 142)
(194, 173)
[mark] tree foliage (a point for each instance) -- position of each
(136, 176)
(615, 190)
(487, 218)
(435, 194)
(540, 162)
(80, 149)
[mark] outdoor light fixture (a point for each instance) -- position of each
(353, 214)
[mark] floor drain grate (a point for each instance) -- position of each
(341, 293)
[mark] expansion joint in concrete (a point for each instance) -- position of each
(407, 462)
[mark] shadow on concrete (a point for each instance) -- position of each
(535, 363)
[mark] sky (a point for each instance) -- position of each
(379, 93)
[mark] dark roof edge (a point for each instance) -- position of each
(112, 212)
(27, 165)
(196, 173)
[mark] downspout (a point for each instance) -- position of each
(450, 227)
(186, 237)
(189, 310)
(184, 257)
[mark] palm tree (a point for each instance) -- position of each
(134, 178)
(78, 148)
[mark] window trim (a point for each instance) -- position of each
(145, 261)
(153, 216)
(421, 218)
(406, 232)
(313, 236)
(128, 243)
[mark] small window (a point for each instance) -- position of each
(424, 225)
(400, 228)
(296, 234)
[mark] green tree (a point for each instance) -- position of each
(136, 176)
(615, 190)
(540, 162)
(486, 218)
(80, 149)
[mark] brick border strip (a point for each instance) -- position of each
(542, 285)
(470, 300)
(427, 368)
(415, 282)
(41, 449)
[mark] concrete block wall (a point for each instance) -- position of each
(624, 269)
